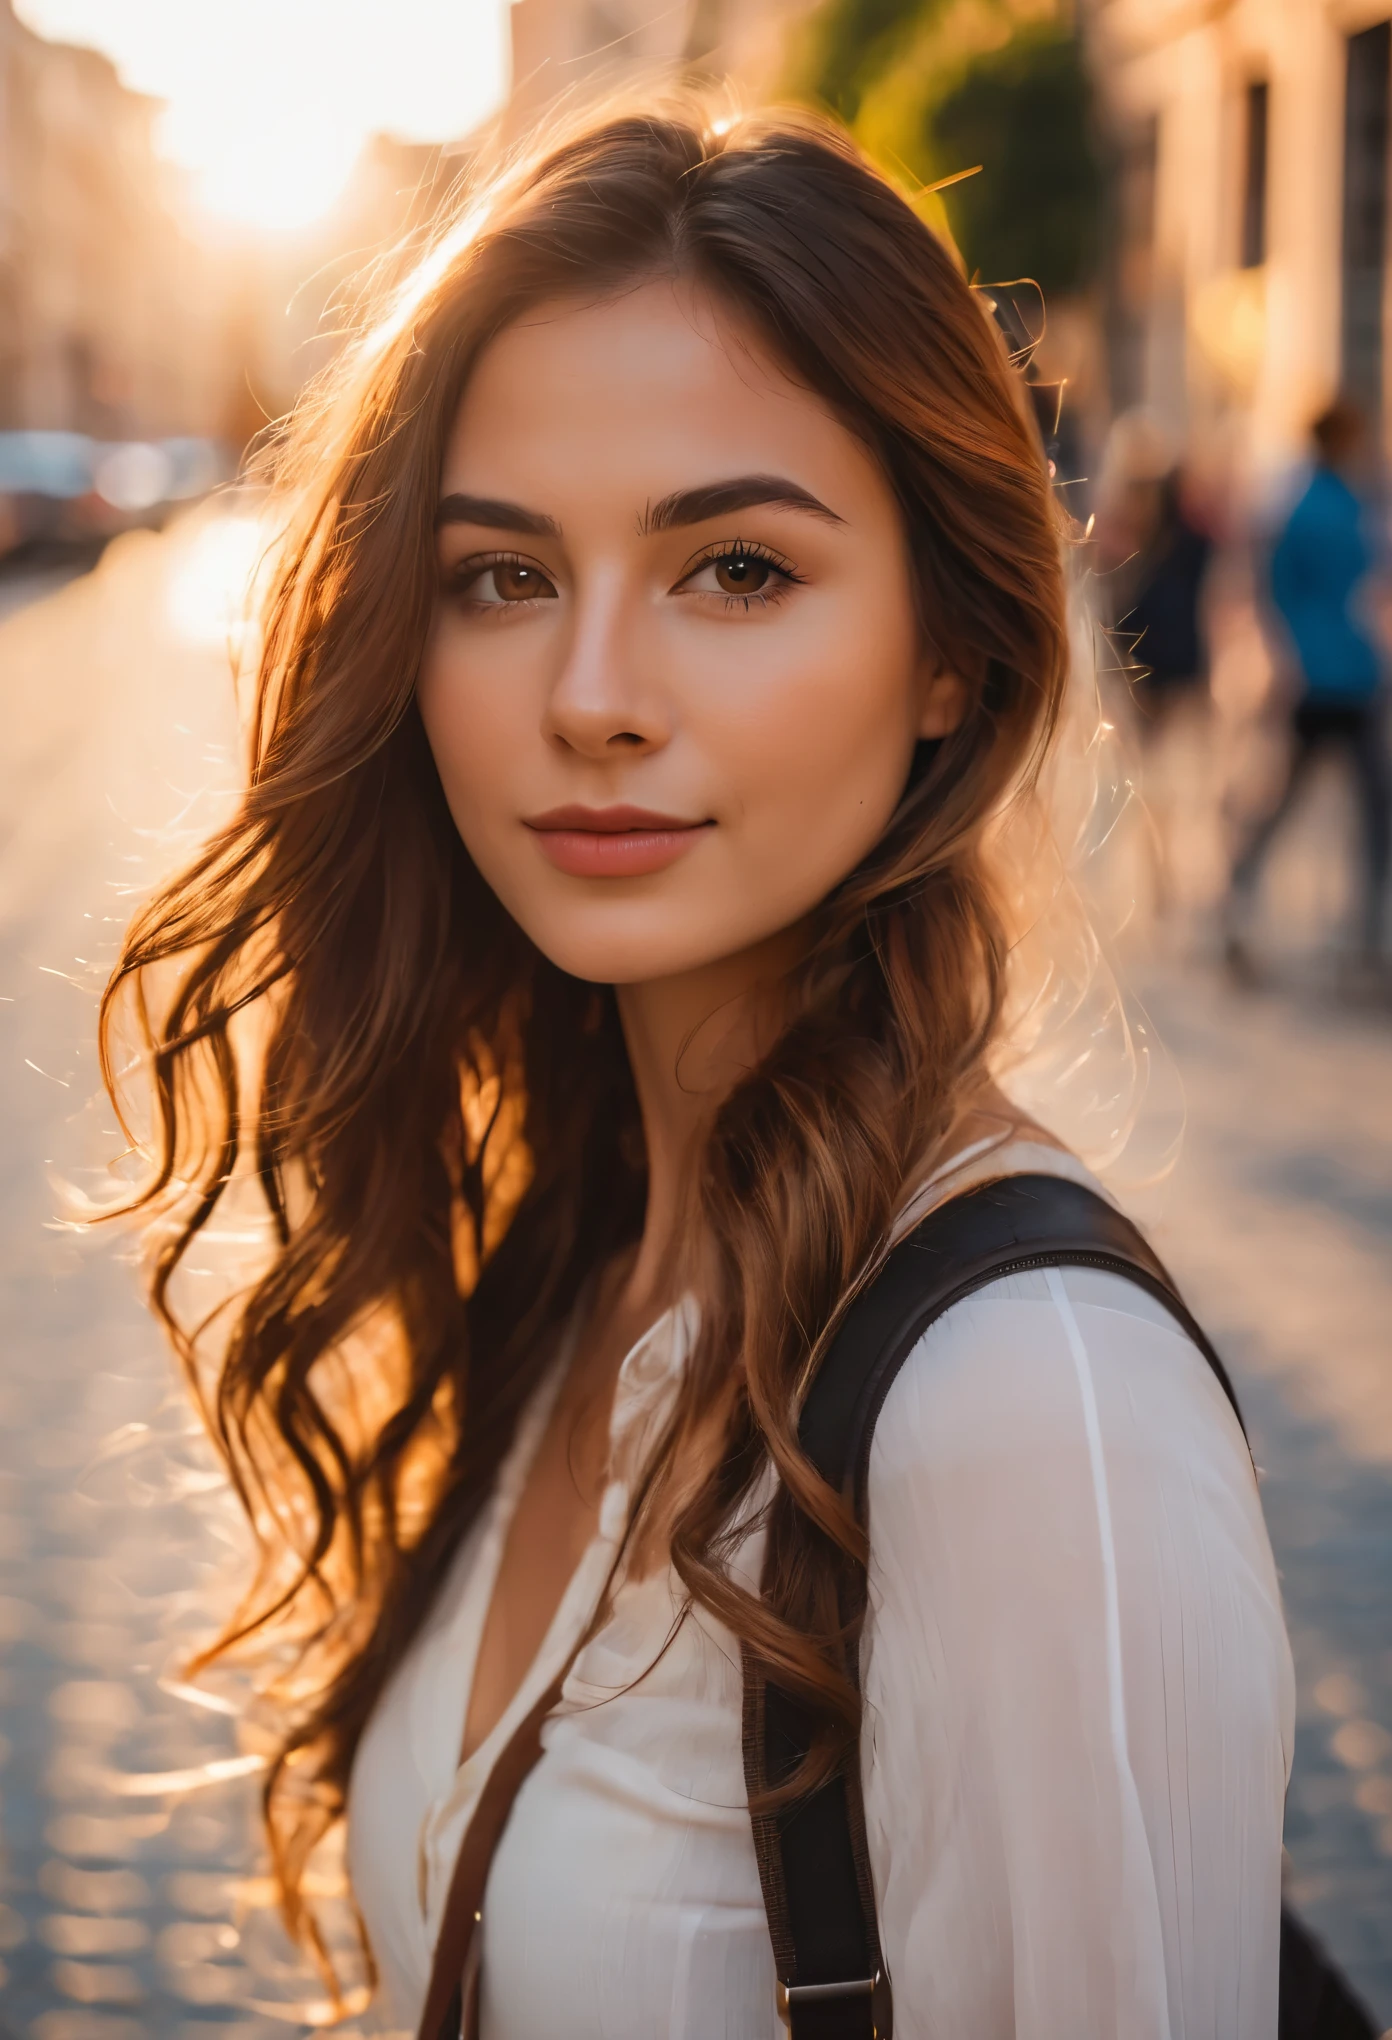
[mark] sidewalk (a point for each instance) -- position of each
(1278, 1226)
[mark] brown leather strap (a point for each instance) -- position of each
(453, 1991)
(451, 2002)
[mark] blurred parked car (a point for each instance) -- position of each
(63, 491)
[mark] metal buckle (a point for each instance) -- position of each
(790, 1995)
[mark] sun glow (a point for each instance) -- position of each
(269, 102)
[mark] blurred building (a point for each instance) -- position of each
(126, 315)
(1252, 275)
(111, 314)
(561, 46)
(293, 294)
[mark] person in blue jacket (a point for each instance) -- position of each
(1319, 584)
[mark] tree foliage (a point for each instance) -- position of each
(849, 45)
(1025, 113)
(935, 87)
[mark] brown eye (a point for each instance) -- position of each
(498, 584)
(746, 578)
(739, 573)
(515, 581)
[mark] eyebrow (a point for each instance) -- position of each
(721, 499)
(496, 515)
(682, 507)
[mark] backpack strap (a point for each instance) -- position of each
(451, 2010)
(814, 1863)
(451, 1999)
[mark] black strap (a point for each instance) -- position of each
(1001, 1228)
(813, 1859)
(814, 1862)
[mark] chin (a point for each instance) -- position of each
(633, 954)
(616, 962)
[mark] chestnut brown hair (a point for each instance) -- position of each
(442, 1124)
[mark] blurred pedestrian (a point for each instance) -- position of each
(1164, 619)
(1321, 574)
(1156, 548)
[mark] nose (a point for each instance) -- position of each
(605, 702)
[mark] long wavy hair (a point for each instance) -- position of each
(334, 1012)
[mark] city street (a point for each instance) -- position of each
(130, 1906)
(1278, 1226)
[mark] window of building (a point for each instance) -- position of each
(1132, 261)
(1369, 77)
(1255, 153)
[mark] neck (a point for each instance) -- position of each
(690, 1039)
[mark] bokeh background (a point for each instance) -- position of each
(1180, 214)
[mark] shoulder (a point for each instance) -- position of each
(1329, 503)
(1056, 1475)
(1051, 1358)
(1049, 1348)
(1050, 1417)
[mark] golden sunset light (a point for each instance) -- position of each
(268, 103)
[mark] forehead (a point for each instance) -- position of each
(640, 394)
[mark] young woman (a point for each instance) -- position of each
(603, 968)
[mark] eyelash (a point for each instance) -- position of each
(728, 549)
(467, 571)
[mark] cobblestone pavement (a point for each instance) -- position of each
(128, 1908)
(1278, 1226)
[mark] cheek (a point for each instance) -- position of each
(477, 728)
(822, 748)
(473, 723)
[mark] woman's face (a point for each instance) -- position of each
(675, 676)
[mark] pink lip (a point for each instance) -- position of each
(613, 842)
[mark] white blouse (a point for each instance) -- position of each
(1079, 1711)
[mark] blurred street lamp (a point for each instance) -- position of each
(134, 477)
